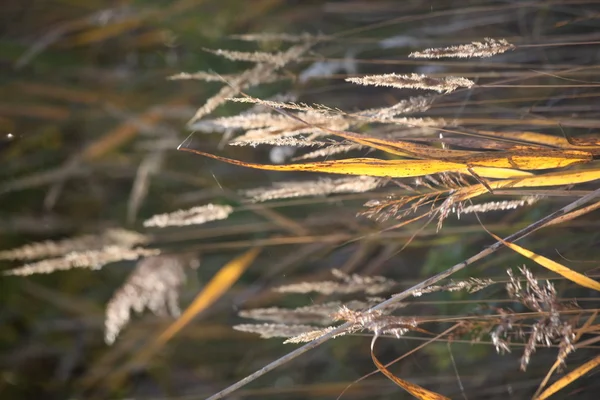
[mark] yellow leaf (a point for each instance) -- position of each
(544, 139)
(551, 179)
(412, 388)
(570, 378)
(375, 167)
(560, 269)
(528, 160)
(214, 289)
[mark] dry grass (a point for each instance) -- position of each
(505, 144)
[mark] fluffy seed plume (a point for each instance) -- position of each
(329, 151)
(94, 259)
(282, 37)
(261, 72)
(154, 284)
(279, 141)
(119, 237)
(488, 48)
(471, 285)
(278, 59)
(322, 187)
(313, 314)
(287, 105)
(200, 76)
(497, 205)
(193, 216)
(414, 81)
(375, 321)
(408, 106)
(312, 335)
(267, 331)
(549, 328)
(345, 284)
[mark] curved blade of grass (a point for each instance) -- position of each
(547, 263)
(412, 388)
(374, 167)
(214, 289)
(570, 378)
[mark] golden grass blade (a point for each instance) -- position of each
(570, 378)
(374, 167)
(539, 138)
(218, 285)
(550, 179)
(528, 160)
(213, 290)
(414, 389)
(533, 159)
(560, 269)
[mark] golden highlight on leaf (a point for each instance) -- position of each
(560, 269)
(213, 290)
(218, 285)
(374, 167)
(550, 179)
(570, 378)
(543, 139)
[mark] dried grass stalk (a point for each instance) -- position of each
(116, 236)
(94, 259)
(260, 73)
(321, 314)
(345, 284)
(201, 76)
(279, 141)
(154, 284)
(549, 328)
(320, 108)
(267, 331)
(375, 321)
(280, 37)
(329, 151)
(414, 81)
(498, 205)
(312, 335)
(321, 187)
(488, 48)
(278, 59)
(408, 106)
(193, 216)
(471, 285)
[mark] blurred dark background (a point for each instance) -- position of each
(88, 119)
